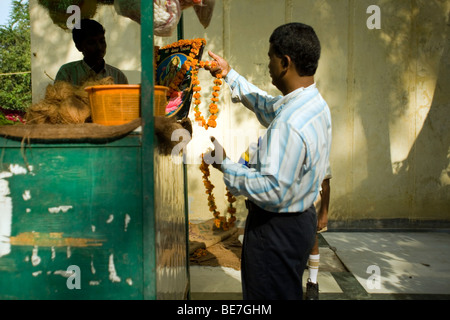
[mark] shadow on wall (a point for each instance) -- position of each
(410, 70)
(429, 157)
(386, 91)
(124, 42)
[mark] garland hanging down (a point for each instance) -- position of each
(192, 65)
(220, 222)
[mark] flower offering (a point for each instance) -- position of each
(177, 68)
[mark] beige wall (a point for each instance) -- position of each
(387, 90)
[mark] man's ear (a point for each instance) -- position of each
(285, 61)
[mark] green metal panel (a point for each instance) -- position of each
(165, 224)
(116, 211)
(147, 82)
(65, 205)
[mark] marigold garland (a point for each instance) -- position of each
(213, 108)
(193, 65)
(220, 222)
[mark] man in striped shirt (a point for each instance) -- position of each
(284, 175)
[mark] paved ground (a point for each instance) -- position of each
(358, 266)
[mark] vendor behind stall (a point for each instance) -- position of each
(90, 40)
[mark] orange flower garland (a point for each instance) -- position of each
(213, 108)
(219, 222)
(193, 65)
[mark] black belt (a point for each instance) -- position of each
(254, 208)
(251, 206)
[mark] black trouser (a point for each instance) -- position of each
(275, 252)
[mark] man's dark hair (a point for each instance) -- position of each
(300, 43)
(88, 27)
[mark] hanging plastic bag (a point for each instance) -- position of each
(203, 9)
(129, 8)
(189, 3)
(204, 12)
(167, 13)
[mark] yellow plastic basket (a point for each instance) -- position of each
(160, 100)
(114, 104)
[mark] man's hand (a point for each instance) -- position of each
(222, 65)
(216, 157)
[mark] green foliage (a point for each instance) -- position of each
(15, 59)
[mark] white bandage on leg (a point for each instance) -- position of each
(313, 267)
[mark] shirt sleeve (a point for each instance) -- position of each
(122, 78)
(274, 183)
(63, 75)
(253, 98)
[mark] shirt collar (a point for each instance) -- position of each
(89, 69)
(292, 95)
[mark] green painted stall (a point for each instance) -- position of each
(95, 219)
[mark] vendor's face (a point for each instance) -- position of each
(94, 47)
(275, 67)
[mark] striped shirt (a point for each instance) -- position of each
(78, 72)
(292, 157)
